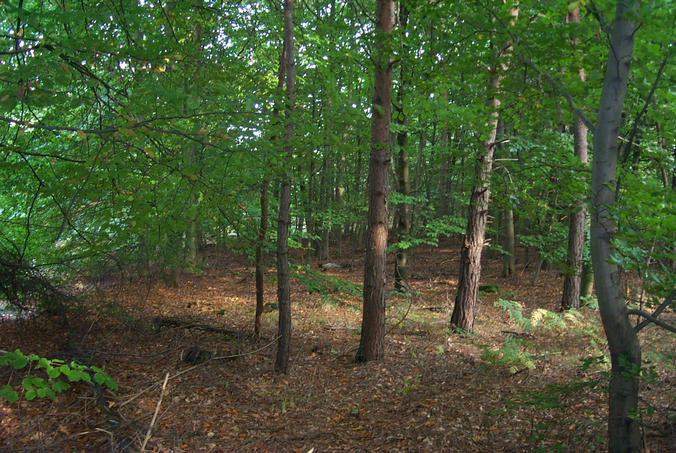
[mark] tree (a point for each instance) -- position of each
(572, 284)
(283, 283)
(464, 310)
(625, 351)
(371, 345)
(403, 224)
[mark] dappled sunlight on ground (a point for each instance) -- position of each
(435, 391)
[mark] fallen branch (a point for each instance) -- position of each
(157, 409)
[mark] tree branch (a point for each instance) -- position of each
(652, 318)
(528, 62)
(643, 111)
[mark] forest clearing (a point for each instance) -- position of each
(435, 391)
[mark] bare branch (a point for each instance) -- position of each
(668, 301)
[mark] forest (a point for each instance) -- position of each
(337, 225)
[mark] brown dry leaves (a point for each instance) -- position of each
(431, 393)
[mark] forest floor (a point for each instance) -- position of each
(434, 391)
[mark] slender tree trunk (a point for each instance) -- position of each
(572, 283)
(283, 283)
(427, 178)
(404, 182)
(508, 259)
(464, 310)
(309, 212)
(260, 266)
(625, 351)
(340, 195)
(263, 228)
(507, 223)
(325, 202)
(443, 167)
(420, 163)
(371, 345)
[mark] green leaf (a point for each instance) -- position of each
(9, 394)
(60, 386)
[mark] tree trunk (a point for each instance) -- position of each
(443, 170)
(324, 202)
(573, 280)
(371, 345)
(262, 231)
(404, 182)
(340, 195)
(625, 351)
(309, 212)
(572, 284)
(508, 259)
(283, 284)
(587, 285)
(464, 310)
(260, 267)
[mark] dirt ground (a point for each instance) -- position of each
(433, 392)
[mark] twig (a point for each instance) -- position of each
(157, 409)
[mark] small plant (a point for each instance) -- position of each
(591, 302)
(509, 293)
(330, 288)
(410, 383)
(488, 289)
(511, 355)
(550, 320)
(515, 311)
(37, 387)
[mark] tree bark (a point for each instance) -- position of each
(309, 212)
(371, 345)
(443, 166)
(508, 259)
(572, 283)
(625, 351)
(464, 310)
(404, 182)
(283, 283)
(263, 228)
(260, 267)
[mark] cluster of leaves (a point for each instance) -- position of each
(38, 387)
(646, 230)
(512, 354)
